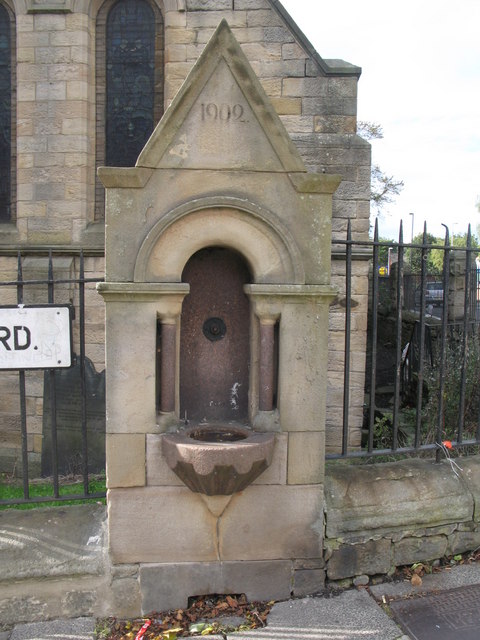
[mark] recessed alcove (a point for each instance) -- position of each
(215, 338)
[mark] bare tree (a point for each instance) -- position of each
(384, 188)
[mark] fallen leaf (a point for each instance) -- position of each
(171, 634)
(232, 602)
(207, 631)
(416, 580)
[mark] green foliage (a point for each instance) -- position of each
(383, 432)
(13, 490)
(459, 240)
(435, 257)
(102, 629)
(451, 391)
(414, 256)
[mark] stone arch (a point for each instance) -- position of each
(18, 7)
(92, 7)
(265, 243)
(101, 15)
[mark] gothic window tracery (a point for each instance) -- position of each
(5, 115)
(129, 81)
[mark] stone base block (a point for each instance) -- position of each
(172, 524)
(471, 476)
(168, 586)
(354, 560)
(159, 524)
(463, 541)
(410, 550)
(272, 523)
(125, 591)
(308, 581)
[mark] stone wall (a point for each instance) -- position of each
(56, 129)
(381, 516)
(56, 115)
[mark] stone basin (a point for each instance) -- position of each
(218, 459)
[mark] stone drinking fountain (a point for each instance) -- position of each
(217, 293)
(218, 459)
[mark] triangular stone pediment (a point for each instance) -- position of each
(221, 118)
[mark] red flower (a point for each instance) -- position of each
(447, 444)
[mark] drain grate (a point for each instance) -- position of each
(448, 615)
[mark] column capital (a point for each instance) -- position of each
(167, 296)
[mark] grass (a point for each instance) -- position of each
(12, 490)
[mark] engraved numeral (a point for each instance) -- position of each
(223, 112)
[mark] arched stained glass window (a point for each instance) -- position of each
(130, 80)
(5, 115)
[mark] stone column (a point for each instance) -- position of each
(139, 306)
(302, 311)
(267, 364)
(168, 367)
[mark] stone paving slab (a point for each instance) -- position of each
(457, 576)
(77, 629)
(55, 542)
(349, 616)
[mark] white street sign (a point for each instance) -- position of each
(35, 337)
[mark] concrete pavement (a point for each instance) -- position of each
(354, 614)
(30, 550)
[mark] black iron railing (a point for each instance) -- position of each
(82, 487)
(436, 350)
(432, 318)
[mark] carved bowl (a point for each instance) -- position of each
(218, 459)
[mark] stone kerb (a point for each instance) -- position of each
(385, 515)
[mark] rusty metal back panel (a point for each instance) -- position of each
(214, 343)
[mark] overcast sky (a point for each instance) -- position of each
(420, 80)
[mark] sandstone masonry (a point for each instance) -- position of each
(55, 149)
